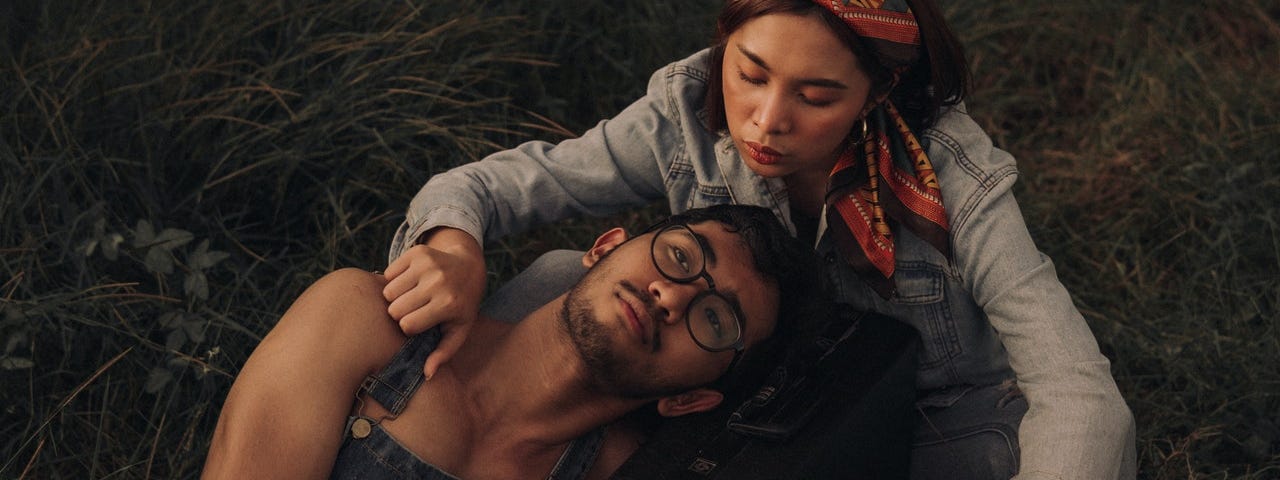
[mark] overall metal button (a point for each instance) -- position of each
(361, 428)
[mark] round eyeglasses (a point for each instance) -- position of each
(712, 320)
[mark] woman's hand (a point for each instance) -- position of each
(438, 282)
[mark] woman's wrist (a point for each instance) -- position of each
(452, 240)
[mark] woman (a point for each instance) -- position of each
(845, 119)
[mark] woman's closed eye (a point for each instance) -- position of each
(749, 79)
(815, 102)
(807, 99)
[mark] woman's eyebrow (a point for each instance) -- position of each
(816, 82)
(753, 57)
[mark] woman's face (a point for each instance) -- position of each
(792, 93)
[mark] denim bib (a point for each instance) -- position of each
(369, 452)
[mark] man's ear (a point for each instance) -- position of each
(605, 243)
(692, 401)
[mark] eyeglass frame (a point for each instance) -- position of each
(738, 346)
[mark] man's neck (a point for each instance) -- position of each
(526, 382)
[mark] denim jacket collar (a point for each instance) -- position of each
(747, 188)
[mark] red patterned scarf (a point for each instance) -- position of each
(885, 181)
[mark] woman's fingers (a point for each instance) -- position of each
(398, 266)
(439, 282)
(410, 307)
(413, 268)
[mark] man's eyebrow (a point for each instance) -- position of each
(816, 82)
(706, 248)
(730, 295)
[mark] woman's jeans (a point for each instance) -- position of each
(975, 436)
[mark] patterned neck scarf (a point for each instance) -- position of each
(883, 181)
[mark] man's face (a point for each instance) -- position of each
(628, 321)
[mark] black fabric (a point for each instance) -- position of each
(839, 406)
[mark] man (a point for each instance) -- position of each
(671, 319)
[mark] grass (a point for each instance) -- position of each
(175, 172)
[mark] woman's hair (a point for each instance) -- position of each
(939, 78)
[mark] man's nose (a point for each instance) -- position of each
(673, 298)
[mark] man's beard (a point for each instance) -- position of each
(606, 372)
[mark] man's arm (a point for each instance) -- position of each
(285, 414)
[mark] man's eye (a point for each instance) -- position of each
(681, 258)
(713, 320)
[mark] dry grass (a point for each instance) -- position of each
(174, 173)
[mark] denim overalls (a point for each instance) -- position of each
(369, 452)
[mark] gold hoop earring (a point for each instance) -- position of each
(862, 138)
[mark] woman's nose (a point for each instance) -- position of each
(773, 115)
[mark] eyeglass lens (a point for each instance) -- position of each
(712, 321)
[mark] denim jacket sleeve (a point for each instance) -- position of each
(1077, 424)
(622, 162)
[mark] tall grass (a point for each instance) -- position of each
(1146, 135)
(175, 172)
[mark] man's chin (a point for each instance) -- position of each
(602, 350)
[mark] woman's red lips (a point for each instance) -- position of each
(763, 154)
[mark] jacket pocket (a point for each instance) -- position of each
(704, 195)
(918, 283)
(921, 298)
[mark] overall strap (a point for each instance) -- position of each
(395, 384)
(578, 457)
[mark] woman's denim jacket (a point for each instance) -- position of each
(995, 311)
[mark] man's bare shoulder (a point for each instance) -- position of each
(344, 316)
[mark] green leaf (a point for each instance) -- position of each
(157, 379)
(15, 339)
(175, 340)
(196, 286)
(196, 257)
(16, 363)
(159, 260)
(111, 246)
(194, 330)
(171, 238)
(201, 258)
(143, 234)
(170, 319)
(215, 257)
(88, 247)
